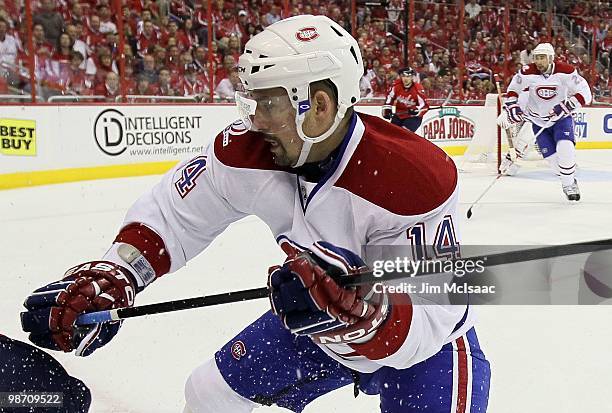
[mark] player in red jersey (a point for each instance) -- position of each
(409, 99)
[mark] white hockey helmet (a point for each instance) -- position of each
(292, 54)
(545, 49)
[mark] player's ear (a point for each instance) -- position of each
(322, 103)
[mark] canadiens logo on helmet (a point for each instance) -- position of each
(306, 34)
(546, 92)
(238, 350)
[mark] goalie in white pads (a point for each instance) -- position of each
(553, 90)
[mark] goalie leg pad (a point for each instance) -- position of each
(523, 140)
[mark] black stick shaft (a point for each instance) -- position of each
(366, 277)
(196, 302)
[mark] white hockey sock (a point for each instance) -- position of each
(206, 391)
(566, 155)
(553, 162)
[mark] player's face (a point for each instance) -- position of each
(270, 112)
(541, 62)
(407, 80)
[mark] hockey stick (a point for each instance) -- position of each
(499, 175)
(365, 277)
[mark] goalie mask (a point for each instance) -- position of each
(288, 56)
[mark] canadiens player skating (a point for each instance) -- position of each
(327, 181)
(409, 99)
(554, 90)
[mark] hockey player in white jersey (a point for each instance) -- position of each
(554, 90)
(327, 181)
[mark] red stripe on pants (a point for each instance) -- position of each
(462, 375)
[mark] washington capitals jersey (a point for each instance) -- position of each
(409, 102)
(387, 186)
(546, 91)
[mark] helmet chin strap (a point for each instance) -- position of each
(308, 141)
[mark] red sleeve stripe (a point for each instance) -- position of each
(150, 245)
(392, 334)
(512, 94)
(580, 98)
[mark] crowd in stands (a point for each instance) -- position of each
(76, 44)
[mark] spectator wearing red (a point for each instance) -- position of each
(62, 54)
(228, 24)
(109, 88)
(200, 59)
(193, 84)
(39, 41)
(192, 37)
(182, 41)
(180, 9)
(174, 60)
(145, 16)
(73, 78)
(104, 64)
(130, 18)
(94, 36)
(148, 38)
(379, 83)
(385, 57)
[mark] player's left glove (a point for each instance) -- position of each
(306, 295)
(565, 108)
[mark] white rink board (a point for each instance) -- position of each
(90, 136)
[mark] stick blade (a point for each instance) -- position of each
(469, 213)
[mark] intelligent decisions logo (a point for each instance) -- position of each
(116, 132)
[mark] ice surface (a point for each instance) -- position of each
(544, 359)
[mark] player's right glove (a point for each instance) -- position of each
(387, 112)
(514, 111)
(306, 295)
(53, 309)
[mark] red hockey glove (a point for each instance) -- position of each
(305, 294)
(53, 309)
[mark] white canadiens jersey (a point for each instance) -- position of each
(387, 186)
(544, 92)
